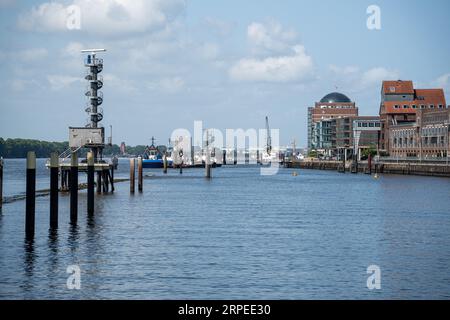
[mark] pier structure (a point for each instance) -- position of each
(92, 135)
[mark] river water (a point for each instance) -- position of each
(238, 236)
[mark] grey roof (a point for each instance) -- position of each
(335, 97)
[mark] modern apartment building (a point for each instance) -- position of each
(332, 106)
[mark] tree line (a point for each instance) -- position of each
(18, 148)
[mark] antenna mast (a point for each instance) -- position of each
(95, 97)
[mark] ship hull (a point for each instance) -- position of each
(154, 164)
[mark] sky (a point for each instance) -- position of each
(226, 63)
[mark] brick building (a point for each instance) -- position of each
(400, 103)
(332, 106)
(427, 137)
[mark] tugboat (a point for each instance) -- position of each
(153, 157)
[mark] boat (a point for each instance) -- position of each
(153, 157)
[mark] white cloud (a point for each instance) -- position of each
(105, 17)
(443, 81)
(347, 70)
(289, 68)
(375, 76)
(270, 36)
(209, 51)
(220, 27)
(18, 85)
(355, 80)
(168, 85)
(73, 49)
(49, 16)
(58, 82)
(34, 54)
(119, 84)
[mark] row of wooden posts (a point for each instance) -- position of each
(132, 175)
(73, 188)
(354, 167)
(165, 166)
(54, 190)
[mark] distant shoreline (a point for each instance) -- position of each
(16, 148)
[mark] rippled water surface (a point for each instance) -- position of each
(240, 235)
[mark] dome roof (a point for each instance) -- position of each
(335, 97)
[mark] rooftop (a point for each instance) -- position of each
(398, 87)
(335, 97)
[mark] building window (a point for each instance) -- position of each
(397, 106)
(431, 106)
(405, 106)
(414, 106)
(422, 106)
(441, 106)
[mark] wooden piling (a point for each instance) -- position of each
(165, 164)
(74, 188)
(105, 181)
(90, 182)
(99, 182)
(112, 179)
(369, 164)
(140, 175)
(1, 183)
(54, 169)
(132, 169)
(31, 194)
(207, 165)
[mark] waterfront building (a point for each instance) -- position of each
(427, 137)
(320, 119)
(356, 134)
(400, 102)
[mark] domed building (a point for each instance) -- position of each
(335, 97)
(320, 119)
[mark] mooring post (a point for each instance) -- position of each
(132, 169)
(1, 182)
(207, 165)
(54, 168)
(99, 182)
(369, 163)
(74, 188)
(90, 182)
(112, 179)
(140, 175)
(165, 163)
(31, 194)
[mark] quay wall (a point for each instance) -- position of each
(410, 168)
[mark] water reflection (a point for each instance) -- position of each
(29, 263)
(53, 249)
(74, 237)
(239, 235)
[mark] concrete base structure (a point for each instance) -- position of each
(406, 168)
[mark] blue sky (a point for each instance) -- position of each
(227, 63)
